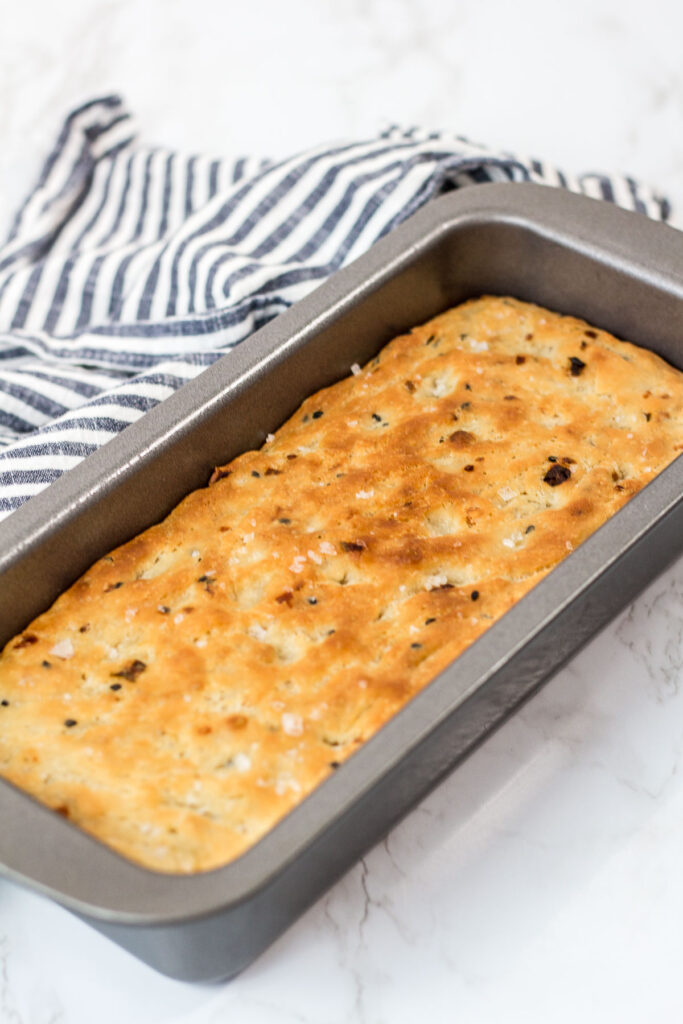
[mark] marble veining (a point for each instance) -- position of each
(540, 882)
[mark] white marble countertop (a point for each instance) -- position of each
(541, 882)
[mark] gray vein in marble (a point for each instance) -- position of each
(8, 1010)
(665, 669)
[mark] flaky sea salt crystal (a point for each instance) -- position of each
(514, 540)
(270, 438)
(355, 369)
(257, 631)
(327, 548)
(292, 724)
(478, 346)
(364, 494)
(507, 493)
(62, 649)
(242, 762)
(440, 387)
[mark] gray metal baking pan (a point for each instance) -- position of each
(575, 255)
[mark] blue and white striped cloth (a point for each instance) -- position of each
(131, 268)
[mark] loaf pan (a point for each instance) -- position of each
(575, 255)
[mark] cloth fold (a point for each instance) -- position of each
(131, 268)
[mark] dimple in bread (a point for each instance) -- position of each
(199, 681)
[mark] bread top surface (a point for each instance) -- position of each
(195, 684)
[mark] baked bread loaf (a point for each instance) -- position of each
(196, 683)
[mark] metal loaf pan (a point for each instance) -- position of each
(575, 255)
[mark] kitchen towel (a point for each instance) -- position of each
(130, 268)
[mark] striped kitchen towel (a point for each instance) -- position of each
(131, 268)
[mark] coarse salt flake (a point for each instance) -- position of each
(292, 724)
(315, 557)
(196, 554)
(514, 540)
(440, 387)
(298, 563)
(257, 631)
(284, 783)
(432, 582)
(364, 494)
(355, 369)
(62, 649)
(478, 346)
(327, 548)
(270, 438)
(242, 762)
(178, 618)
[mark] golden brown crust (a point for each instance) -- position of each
(197, 683)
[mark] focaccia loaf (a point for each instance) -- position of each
(199, 681)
